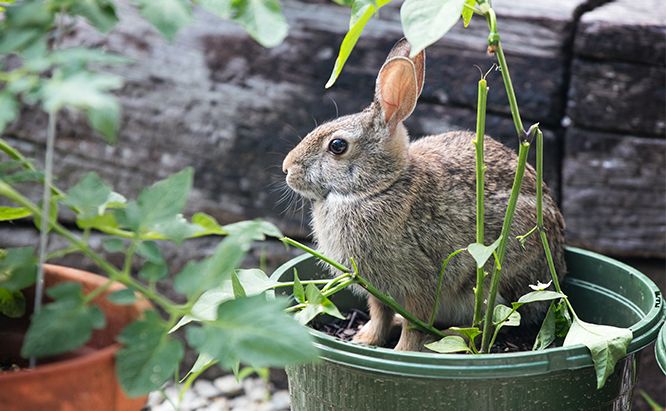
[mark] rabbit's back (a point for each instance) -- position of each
(400, 236)
(445, 216)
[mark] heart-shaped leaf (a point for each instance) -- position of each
(482, 253)
(606, 344)
(449, 344)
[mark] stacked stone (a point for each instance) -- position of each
(614, 174)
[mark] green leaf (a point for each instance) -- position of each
(503, 315)
(9, 109)
(176, 229)
(99, 13)
(536, 296)
(167, 16)
(254, 331)
(13, 213)
(80, 57)
(606, 344)
(359, 21)
(122, 297)
(481, 253)
(12, 303)
(556, 324)
(214, 271)
(150, 251)
(53, 213)
(106, 121)
(449, 344)
(562, 319)
(468, 12)
(153, 271)
(253, 230)
(254, 281)
(237, 287)
(18, 268)
(165, 199)
(299, 291)
(81, 90)
(546, 334)
(158, 207)
(149, 356)
(203, 361)
(426, 21)
(469, 332)
(316, 304)
(358, 9)
(208, 224)
(30, 14)
(63, 325)
(113, 245)
(262, 19)
(89, 197)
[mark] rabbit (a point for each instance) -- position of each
(399, 208)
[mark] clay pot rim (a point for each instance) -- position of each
(96, 356)
(63, 365)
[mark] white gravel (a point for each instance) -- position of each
(222, 394)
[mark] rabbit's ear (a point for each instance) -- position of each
(402, 49)
(397, 89)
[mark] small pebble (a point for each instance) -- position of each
(223, 394)
(219, 404)
(206, 389)
(281, 401)
(228, 386)
(154, 398)
(191, 401)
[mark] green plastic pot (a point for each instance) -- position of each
(355, 377)
(660, 349)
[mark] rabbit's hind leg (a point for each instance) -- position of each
(412, 339)
(376, 331)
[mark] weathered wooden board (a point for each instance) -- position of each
(624, 30)
(621, 97)
(614, 193)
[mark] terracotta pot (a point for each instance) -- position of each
(84, 380)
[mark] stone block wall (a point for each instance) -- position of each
(613, 170)
(216, 101)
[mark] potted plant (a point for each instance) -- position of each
(593, 369)
(103, 342)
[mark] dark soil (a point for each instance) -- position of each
(510, 339)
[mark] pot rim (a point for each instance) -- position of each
(97, 355)
(434, 365)
(660, 349)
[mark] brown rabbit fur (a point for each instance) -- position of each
(399, 209)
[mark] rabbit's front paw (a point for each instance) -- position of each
(371, 334)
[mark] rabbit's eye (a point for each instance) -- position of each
(337, 146)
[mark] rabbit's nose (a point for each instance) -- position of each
(287, 163)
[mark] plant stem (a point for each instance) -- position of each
(356, 278)
(46, 215)
(393, 304)
(440, 284)
(523, 150)
(306, 282)
(491, 18)
(315, 253)
(504, 236)
(342, 285)
(539, 205)
(480, 172)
